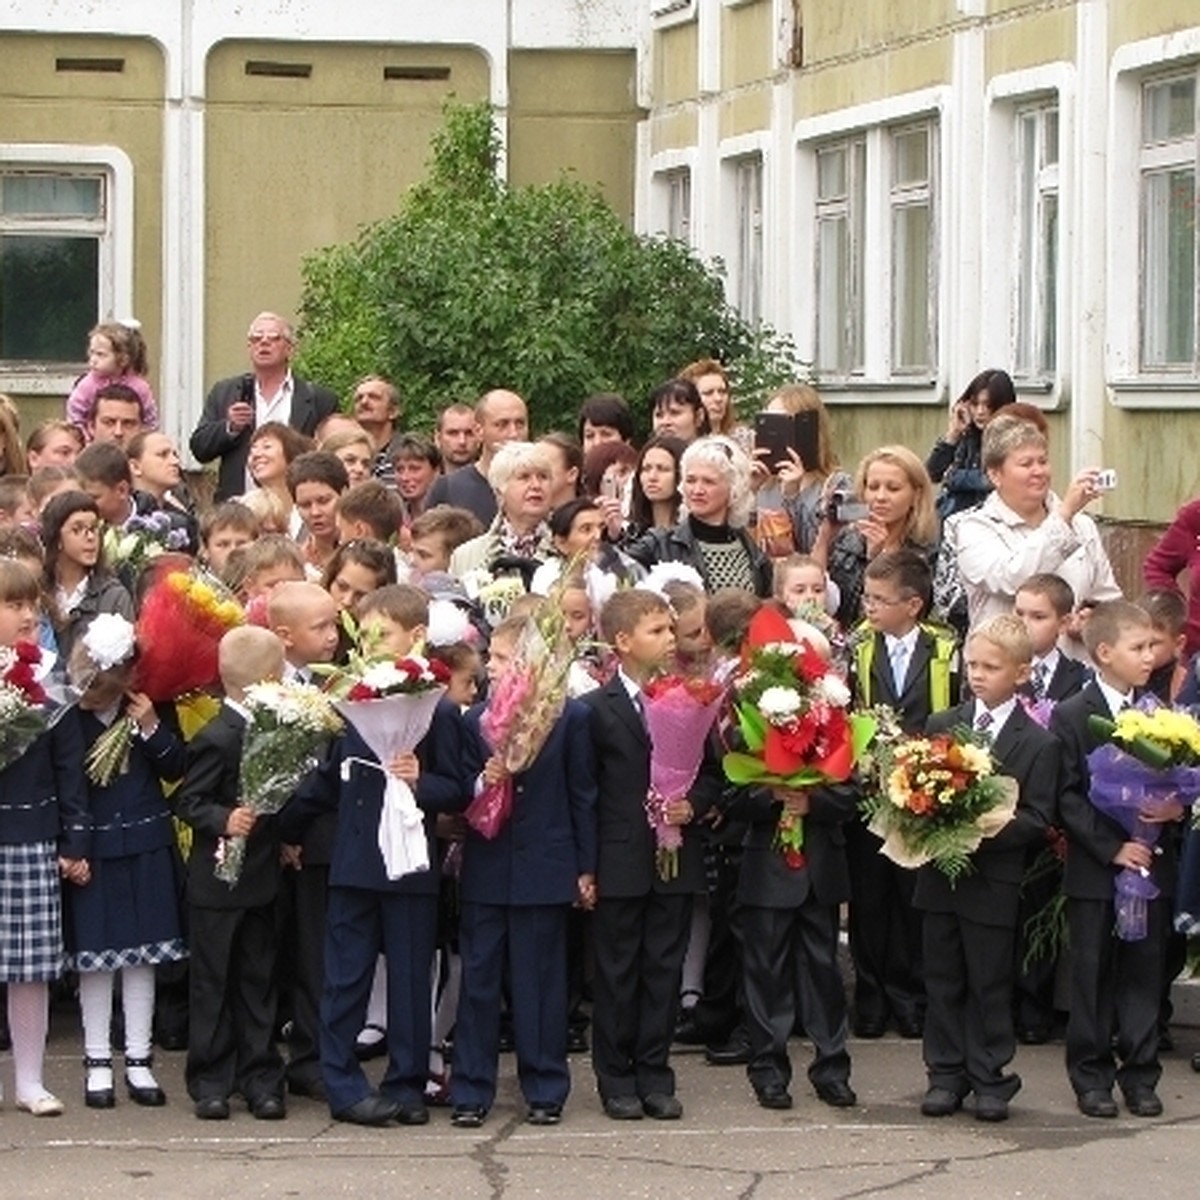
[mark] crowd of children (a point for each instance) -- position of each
(318, 958)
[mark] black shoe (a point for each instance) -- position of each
(98, 1097)
(662, 1107)
(991, 1108)
(910, 1027)
(940, 1102)
(734, 1053)
(212, 1108)
(869, 1027)
(1033, 1035)
(837, 1094)
(147, 1097)
(314, 1089)
(577, 1042)
(1166, 1043)
(1097, 1103)
(468, 1116)
(412, 1112)
(544, 1114)
(268, 1108)
(688, 1032)
(1143, 1102)
(375, 1048)
(1196, 1061)
(623, 1108)
(773, 1095)
(372, 1109)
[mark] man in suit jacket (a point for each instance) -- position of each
(232, 930)
(268, 392)
(969, 927)
(789, 925)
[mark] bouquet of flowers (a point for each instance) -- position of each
(940, 796)
(109, 642)
(492, 592)
(142, 539)
(679, 714)
(23, 717)
(791, 710)
(522, 707)
(391, 702)
(288, 727)
(1149, 763)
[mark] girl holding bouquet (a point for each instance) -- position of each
(43, 832)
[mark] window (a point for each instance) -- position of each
(1169, 208)
(1035, 349)
(678, 187)
(748, 253)
(875, 252)
(841, 172)
(55, 262)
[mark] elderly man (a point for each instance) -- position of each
(268, 392)
(377, 410)
(500, 417)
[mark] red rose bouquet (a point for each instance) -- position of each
(23, 700)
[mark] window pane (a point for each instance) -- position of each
(1169, 269)
(1049, 332)
(749, 218)
(910, 156)
(831, 173)
(1027, 264)
(48, 297)
(51, 196)
(679, 205)
(910, 274)
(833, 277)
(1050, 147)
(1169, 110)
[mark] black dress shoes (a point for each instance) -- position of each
(623, 1108)
(468, 1116)
(837, 1094)
(910, 1027)
(148, 1097)
(733, 1053)
(869, 1027)
(412, 1112)
(212, 1108)
(940, 1102)
(1097, 1103)
(773, 1095)
(991, 1108)
(370, 1110)
(268, 1108)
(662, 1107)
(544, 1114)
(314, 1089)
(1143, 1102)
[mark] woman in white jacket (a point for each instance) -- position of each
(1023, 528)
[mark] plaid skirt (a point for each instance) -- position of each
(31, 944)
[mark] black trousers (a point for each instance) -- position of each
(790, 957)
(640, 944)
(719, 1011)
(1033, 991)
(1116, 988)
(968, 1037)
(309, 900)
(231, 1029)
(885, 933)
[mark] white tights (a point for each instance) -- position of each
(28, 1021)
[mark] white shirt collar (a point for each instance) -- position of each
(999, 714)
(632, 688)
(1049, 660)
(908, 641)
(1114, 699)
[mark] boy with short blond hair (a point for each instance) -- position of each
(969, 928)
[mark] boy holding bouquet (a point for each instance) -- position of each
(1116, 984)
(969, 929)
(642, 920)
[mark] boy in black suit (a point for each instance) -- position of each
(231, 1033)
(912, 667)
(1115, 985)
(969, 928)
(1045, 603)
(641, 922)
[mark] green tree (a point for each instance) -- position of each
(474, 284)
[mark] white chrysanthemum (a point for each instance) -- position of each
(447, 624)
(833, 690)
(779, 703)
(382, 675)
(108, 640)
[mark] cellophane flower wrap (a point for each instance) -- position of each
(936, 798)
(523, 706)
(792, 714)
(680, 713)
(390, 701)
(1150, 760)
(23, 713)
(289, 726)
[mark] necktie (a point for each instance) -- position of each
(899, 666)
(984, 721)
(1039, 681)
(639, 706)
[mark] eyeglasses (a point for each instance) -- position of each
(870, 602)
(83, 530)
(264, 339)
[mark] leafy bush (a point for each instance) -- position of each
(474, 284)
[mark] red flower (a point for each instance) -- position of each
(794, 859)
(810, 666)
(360, 691)
(800, 737)
(27, 652)
(439, 670)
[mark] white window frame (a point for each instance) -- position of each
(667, 174)
(115, 284)
(913, 194)
(848, 206)
(1133, 65)
(747, 283)
(877, 382)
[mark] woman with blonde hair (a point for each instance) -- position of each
(899, 497)
(12, 453)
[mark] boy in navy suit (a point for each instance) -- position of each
(1045, 603)
(232, 931)
(912, 667)
(969, 928)
(368, 913)
(641, 923)
(517, 892)
(1116, 985)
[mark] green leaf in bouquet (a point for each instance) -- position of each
(743, 768)
(753, 726)
(1153, 755)
(863, 728)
